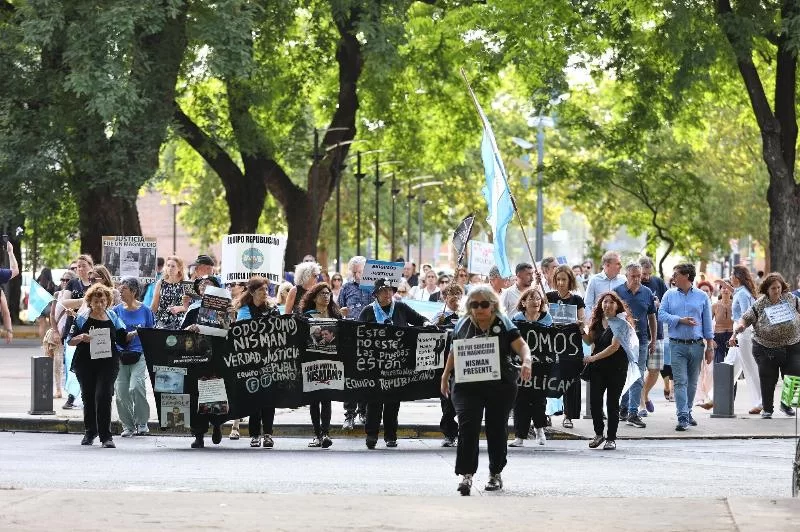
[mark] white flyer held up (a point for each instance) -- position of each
(100, 343)
(477, 359)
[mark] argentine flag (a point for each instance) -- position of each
(496, 192)
(38, 299)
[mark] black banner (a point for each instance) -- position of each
(557, 353)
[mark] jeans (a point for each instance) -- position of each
(96, 378)
(686, 360)
(131, 390)
(721, 350)
(633, 396)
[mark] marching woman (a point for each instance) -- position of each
(254, 303)
(610, 329)
(484, 318)
(131, 385)
(744, 291)
(96, 367)
(530, 404)
(167, 303)
(386, 310)
(318, 303)
(305, 277)
(775, 318)
(566, 285)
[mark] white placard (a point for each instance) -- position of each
(430, 351)
(563, 314)
(130, 256)
(323, 375)
(477, 359)
(175, 411)
(245, 256)
(481, 257)
(100, 343)
(379, 269)
(779, 313)
(212, 397)
(212, 317)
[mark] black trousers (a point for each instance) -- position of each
(265, 416)
(448, 424)
(608, 381)
(471, 400)
(321, 416)
(97, 378)
(721, 350)
(530, 405)
(572, 401)
(389, 413)
(770, 362)
(351, 408)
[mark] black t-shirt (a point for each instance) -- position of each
(77, 288)
(573, 299)
(616, 362)
(83, 351)
(263, 310)
(506, 332)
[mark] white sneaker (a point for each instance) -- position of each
(519, 442)
(142, 430)
(540, 437)
(127, 433)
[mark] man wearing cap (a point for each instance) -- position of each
(203, 266)
(386, 310)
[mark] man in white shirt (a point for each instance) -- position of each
(549, 265)
(511, 295)
(605, 281)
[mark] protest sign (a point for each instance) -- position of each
(213, 318)
(378, 269)
(175, 411)
(100, 343)
(563, 314)
(557, 356)
(245, 256)
(481, 257)
(130, 256)
(477, 359)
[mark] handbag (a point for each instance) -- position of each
(129, 357)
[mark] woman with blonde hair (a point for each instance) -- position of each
(167, 303)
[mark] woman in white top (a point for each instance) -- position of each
(423, 292)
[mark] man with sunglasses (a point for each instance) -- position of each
(388, 311)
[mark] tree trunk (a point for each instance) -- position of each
(304, 222)
(784, 230)
(103, 214)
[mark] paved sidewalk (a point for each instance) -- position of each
(45, 510)
(417, 419)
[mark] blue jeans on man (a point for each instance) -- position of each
(633, 396)
(686, 360)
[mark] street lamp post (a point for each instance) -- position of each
(337, 167)
(411, 197)
(421, 199)
(378, 184)
(359, 175)
(395, 191)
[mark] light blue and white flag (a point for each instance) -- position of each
(496, 192)
(38, 299)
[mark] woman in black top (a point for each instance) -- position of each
(608, 367)
(484, 318)
(305, 277)
(386, 310)
(254, 303)
(96, 368)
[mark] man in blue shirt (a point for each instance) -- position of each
(655, 361)
(640, 300)
(687, 313)
(605, 281)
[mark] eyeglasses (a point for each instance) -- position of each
(323, 293)
(480, 304)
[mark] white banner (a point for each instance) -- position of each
(245, 256)
(481, 257)
(379, 269)
(130, 256)
(477, 359)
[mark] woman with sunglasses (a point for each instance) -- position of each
(317, 304)
(496, 397)
(443, 282)
(253, 302)
(336, 285)
(530, 404)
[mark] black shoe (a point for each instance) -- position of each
(448, 442)
(391, 443)
(692, 422)
(198, 442)
(635, 421)
(495, 483)
(109, 444)
(88, 439)
(465, 485)
(623, 414)
(595, 443)
(788, 410)
(70, 404)
(371, 442)
(216, 435)
(326, 441)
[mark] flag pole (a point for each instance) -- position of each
(511, 195)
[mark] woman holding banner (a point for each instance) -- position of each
(566, 285)
(484, 319)
(609, 331)
(167, 303)
(386, 310)
(317, 304)
(531, 404)
(254, 303)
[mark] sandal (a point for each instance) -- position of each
(566, 423)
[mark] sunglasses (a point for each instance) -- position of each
(92, 278)
(65, 280)
(480, 304)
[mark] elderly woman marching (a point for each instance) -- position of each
(496, 397)
(775, 318)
